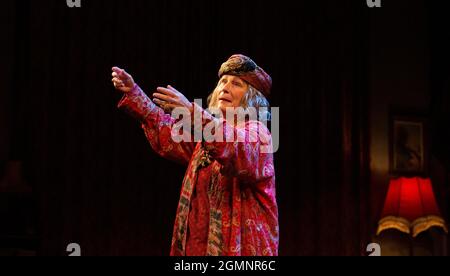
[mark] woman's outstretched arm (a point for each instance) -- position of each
(156, 124)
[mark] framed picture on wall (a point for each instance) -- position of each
(408, 144)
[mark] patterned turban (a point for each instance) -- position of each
(245, 68)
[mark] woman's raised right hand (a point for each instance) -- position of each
(122, 80)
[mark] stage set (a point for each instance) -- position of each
(353, 160)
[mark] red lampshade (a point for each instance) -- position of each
(410, 204)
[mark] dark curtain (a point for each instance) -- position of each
(440, 103)
(97, 181)
(440, 81)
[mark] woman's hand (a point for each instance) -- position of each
(170, 98)
(122, 80)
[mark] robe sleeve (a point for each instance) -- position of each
(250, 154)
(157, 126)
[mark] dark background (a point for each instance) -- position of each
(95, 180)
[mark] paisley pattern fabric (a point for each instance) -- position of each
(227, 203)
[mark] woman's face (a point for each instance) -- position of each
(231, 90)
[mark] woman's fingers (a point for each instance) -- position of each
(167, 107)
(120, 73)
(166, 91)
(170, 87)
(159, 102)
(163, 97)
(169, 98)
(117, 80)
(117, 83)
(121, 80)
(117, 70)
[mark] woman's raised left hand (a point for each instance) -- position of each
(170, 98)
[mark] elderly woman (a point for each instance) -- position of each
(227, 205)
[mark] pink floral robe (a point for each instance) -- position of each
(227, 204)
